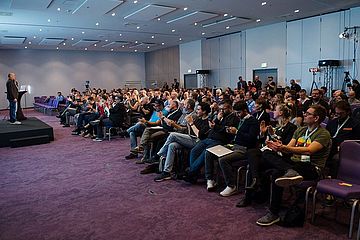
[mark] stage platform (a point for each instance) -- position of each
(32, 131)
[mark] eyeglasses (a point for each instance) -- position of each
(308, 113)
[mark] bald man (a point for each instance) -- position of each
(12, 96)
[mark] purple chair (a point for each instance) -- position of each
(347, 183)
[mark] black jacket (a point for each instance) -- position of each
(247, 134)
(12, 90)
(219, 131)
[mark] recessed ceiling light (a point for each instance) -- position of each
(123, 46)
(64, 44)
(180, 39)
(49, 20)
(57, 48)
(159, 19)
(297, 10)
(86, 49)
(162, 43)
(120, 34)
(25, 47)
(59, 9)
(106, 40)
(263, 3)
(112, 49)
(173, 30)
(138, 27)
(113, 14)
(95, 45)
(148, 47)
(40, 29)
(97, 24)
(29, 42)
(136, 41)
(135, 50)
(195, 24)
(258, 20)
(203, 33)
(227, 27)
(153, 36)
(135, 1)
(72, 39)
(185, 8)
(225, 14)
(34, 37)
(83, 32)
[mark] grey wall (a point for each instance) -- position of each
(162, 66)
(50, 71)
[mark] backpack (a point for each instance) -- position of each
(294, 217)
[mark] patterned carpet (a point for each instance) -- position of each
(74, 188)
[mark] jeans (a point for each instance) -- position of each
(134, 132)
(197, 154)
(13, 109)
(173, 142)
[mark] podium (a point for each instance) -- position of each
(19, 113)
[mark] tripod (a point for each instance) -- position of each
(313, 82)
(347, 80)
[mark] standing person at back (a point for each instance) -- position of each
(257, 83)
(12, 96)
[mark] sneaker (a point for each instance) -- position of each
(16, 123)
(152, 168)
(138, 149)
(162, 177)
(131, 156)
(268, 220)
(211, 185)
(228, 191)
(291, 177)
(97, 140)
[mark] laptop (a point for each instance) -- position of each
(219, 150)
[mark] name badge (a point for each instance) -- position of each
(347, 129)
(305, 158)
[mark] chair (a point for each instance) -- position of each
(241, 166)
(347, 184)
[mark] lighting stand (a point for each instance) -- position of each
(313, 82)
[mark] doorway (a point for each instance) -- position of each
(190, 81)
(265, 73)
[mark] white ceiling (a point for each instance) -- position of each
(142, 25)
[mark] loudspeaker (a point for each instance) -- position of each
(331, 63)
(202, 71)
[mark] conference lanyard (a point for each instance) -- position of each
(258, 117)
(307, 135)
(339, 127)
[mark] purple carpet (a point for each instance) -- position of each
(74, 188)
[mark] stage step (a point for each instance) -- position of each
(28, 141)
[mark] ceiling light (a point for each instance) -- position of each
(227, 27)
(263, 3)
(83, 32)
(29, 42)
(72, 39)
(59, 9)
(159, 19)
(95, 45)
(120, 34)
(152, 36)
(136, 41)
(135, 1)
(112, 49)
(258, 20)
(57, 48)
(148, 47)
(49, 20)
(25, 47)
(34, 37)
(180, 39)
(113, 14)
(225, 14)
(97, 24)
(135, 50)
(185, 8)
(40, 29)
(203, 33)
(195, 24)
(162, 43)
(297, 10)
(64, 44)
(344, 35)
(137, 27)
(106, 40)
(123, 46)
(86, 49)
(173, 30)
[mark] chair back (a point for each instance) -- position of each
(349, 169)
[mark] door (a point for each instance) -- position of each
(265, 73)
(190, 81)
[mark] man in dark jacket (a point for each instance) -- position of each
(12, 96)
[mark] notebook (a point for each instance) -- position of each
(219, 150)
